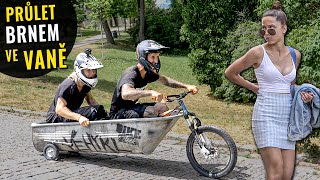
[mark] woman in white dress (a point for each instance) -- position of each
(275, 71)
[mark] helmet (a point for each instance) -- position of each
(145, 47)
(86, 61)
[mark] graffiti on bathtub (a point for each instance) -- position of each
(128, 135)
(89, 142)
(117, 140)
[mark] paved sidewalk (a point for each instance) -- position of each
(94, 39)
(20, 160)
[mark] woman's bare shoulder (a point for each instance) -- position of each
(255, 53)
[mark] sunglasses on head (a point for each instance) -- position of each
(272, 32)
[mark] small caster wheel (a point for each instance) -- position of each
(51, 152)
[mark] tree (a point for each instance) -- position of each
(129, 10)
(163, 26)
(101, 10)
(141, 8)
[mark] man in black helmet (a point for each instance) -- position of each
(133, 81)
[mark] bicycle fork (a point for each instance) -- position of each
(204, 143)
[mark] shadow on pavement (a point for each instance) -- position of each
(136, 163)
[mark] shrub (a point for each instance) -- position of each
(239, 42)
(206, 24)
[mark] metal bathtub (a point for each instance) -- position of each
(138, 136)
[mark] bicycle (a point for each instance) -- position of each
(207, 142)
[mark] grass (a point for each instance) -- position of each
(85, 33)
(37, 93)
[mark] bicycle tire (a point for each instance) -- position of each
(229, 147)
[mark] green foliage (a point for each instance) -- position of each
(206, 24)
(101, 9)
(239, 42)
(301, 12)
(129, 8)
(311, 149)
(263, 6)
(79, 8)
(163, 26)
(306, 40)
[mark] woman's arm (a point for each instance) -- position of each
(252, 58)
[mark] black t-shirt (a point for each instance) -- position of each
(68, 90)
(130, 76)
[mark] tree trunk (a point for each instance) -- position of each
(125, 24)
(108, 32)
(141, 22)
(115, 19)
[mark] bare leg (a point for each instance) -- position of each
(154, 111)
(288, 157)
(273, 163)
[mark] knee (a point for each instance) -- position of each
(276, 172)
(160, 108)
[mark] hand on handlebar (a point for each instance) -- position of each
(193, 89)
(158, 97)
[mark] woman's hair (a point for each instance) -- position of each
(277, 12)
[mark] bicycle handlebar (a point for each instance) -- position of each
(178, 96)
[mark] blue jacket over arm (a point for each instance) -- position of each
(303, 116)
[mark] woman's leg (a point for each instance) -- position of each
(288, 157)
(273, 163)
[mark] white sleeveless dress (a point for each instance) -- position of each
(271, 111)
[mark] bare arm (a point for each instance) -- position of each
(251, 58)
(128, 92)
(176, 84)
(90, 99)
(64, 111)
(171, 82)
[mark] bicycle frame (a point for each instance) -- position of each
(194, 122)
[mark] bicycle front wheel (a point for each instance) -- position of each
(218, 155)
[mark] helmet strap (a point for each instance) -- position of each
(148, 66)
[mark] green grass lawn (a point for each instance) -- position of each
(37, 93)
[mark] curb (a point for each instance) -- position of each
(22, 111)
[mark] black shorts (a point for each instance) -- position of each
(135, 111)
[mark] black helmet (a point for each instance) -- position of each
(145, 47)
